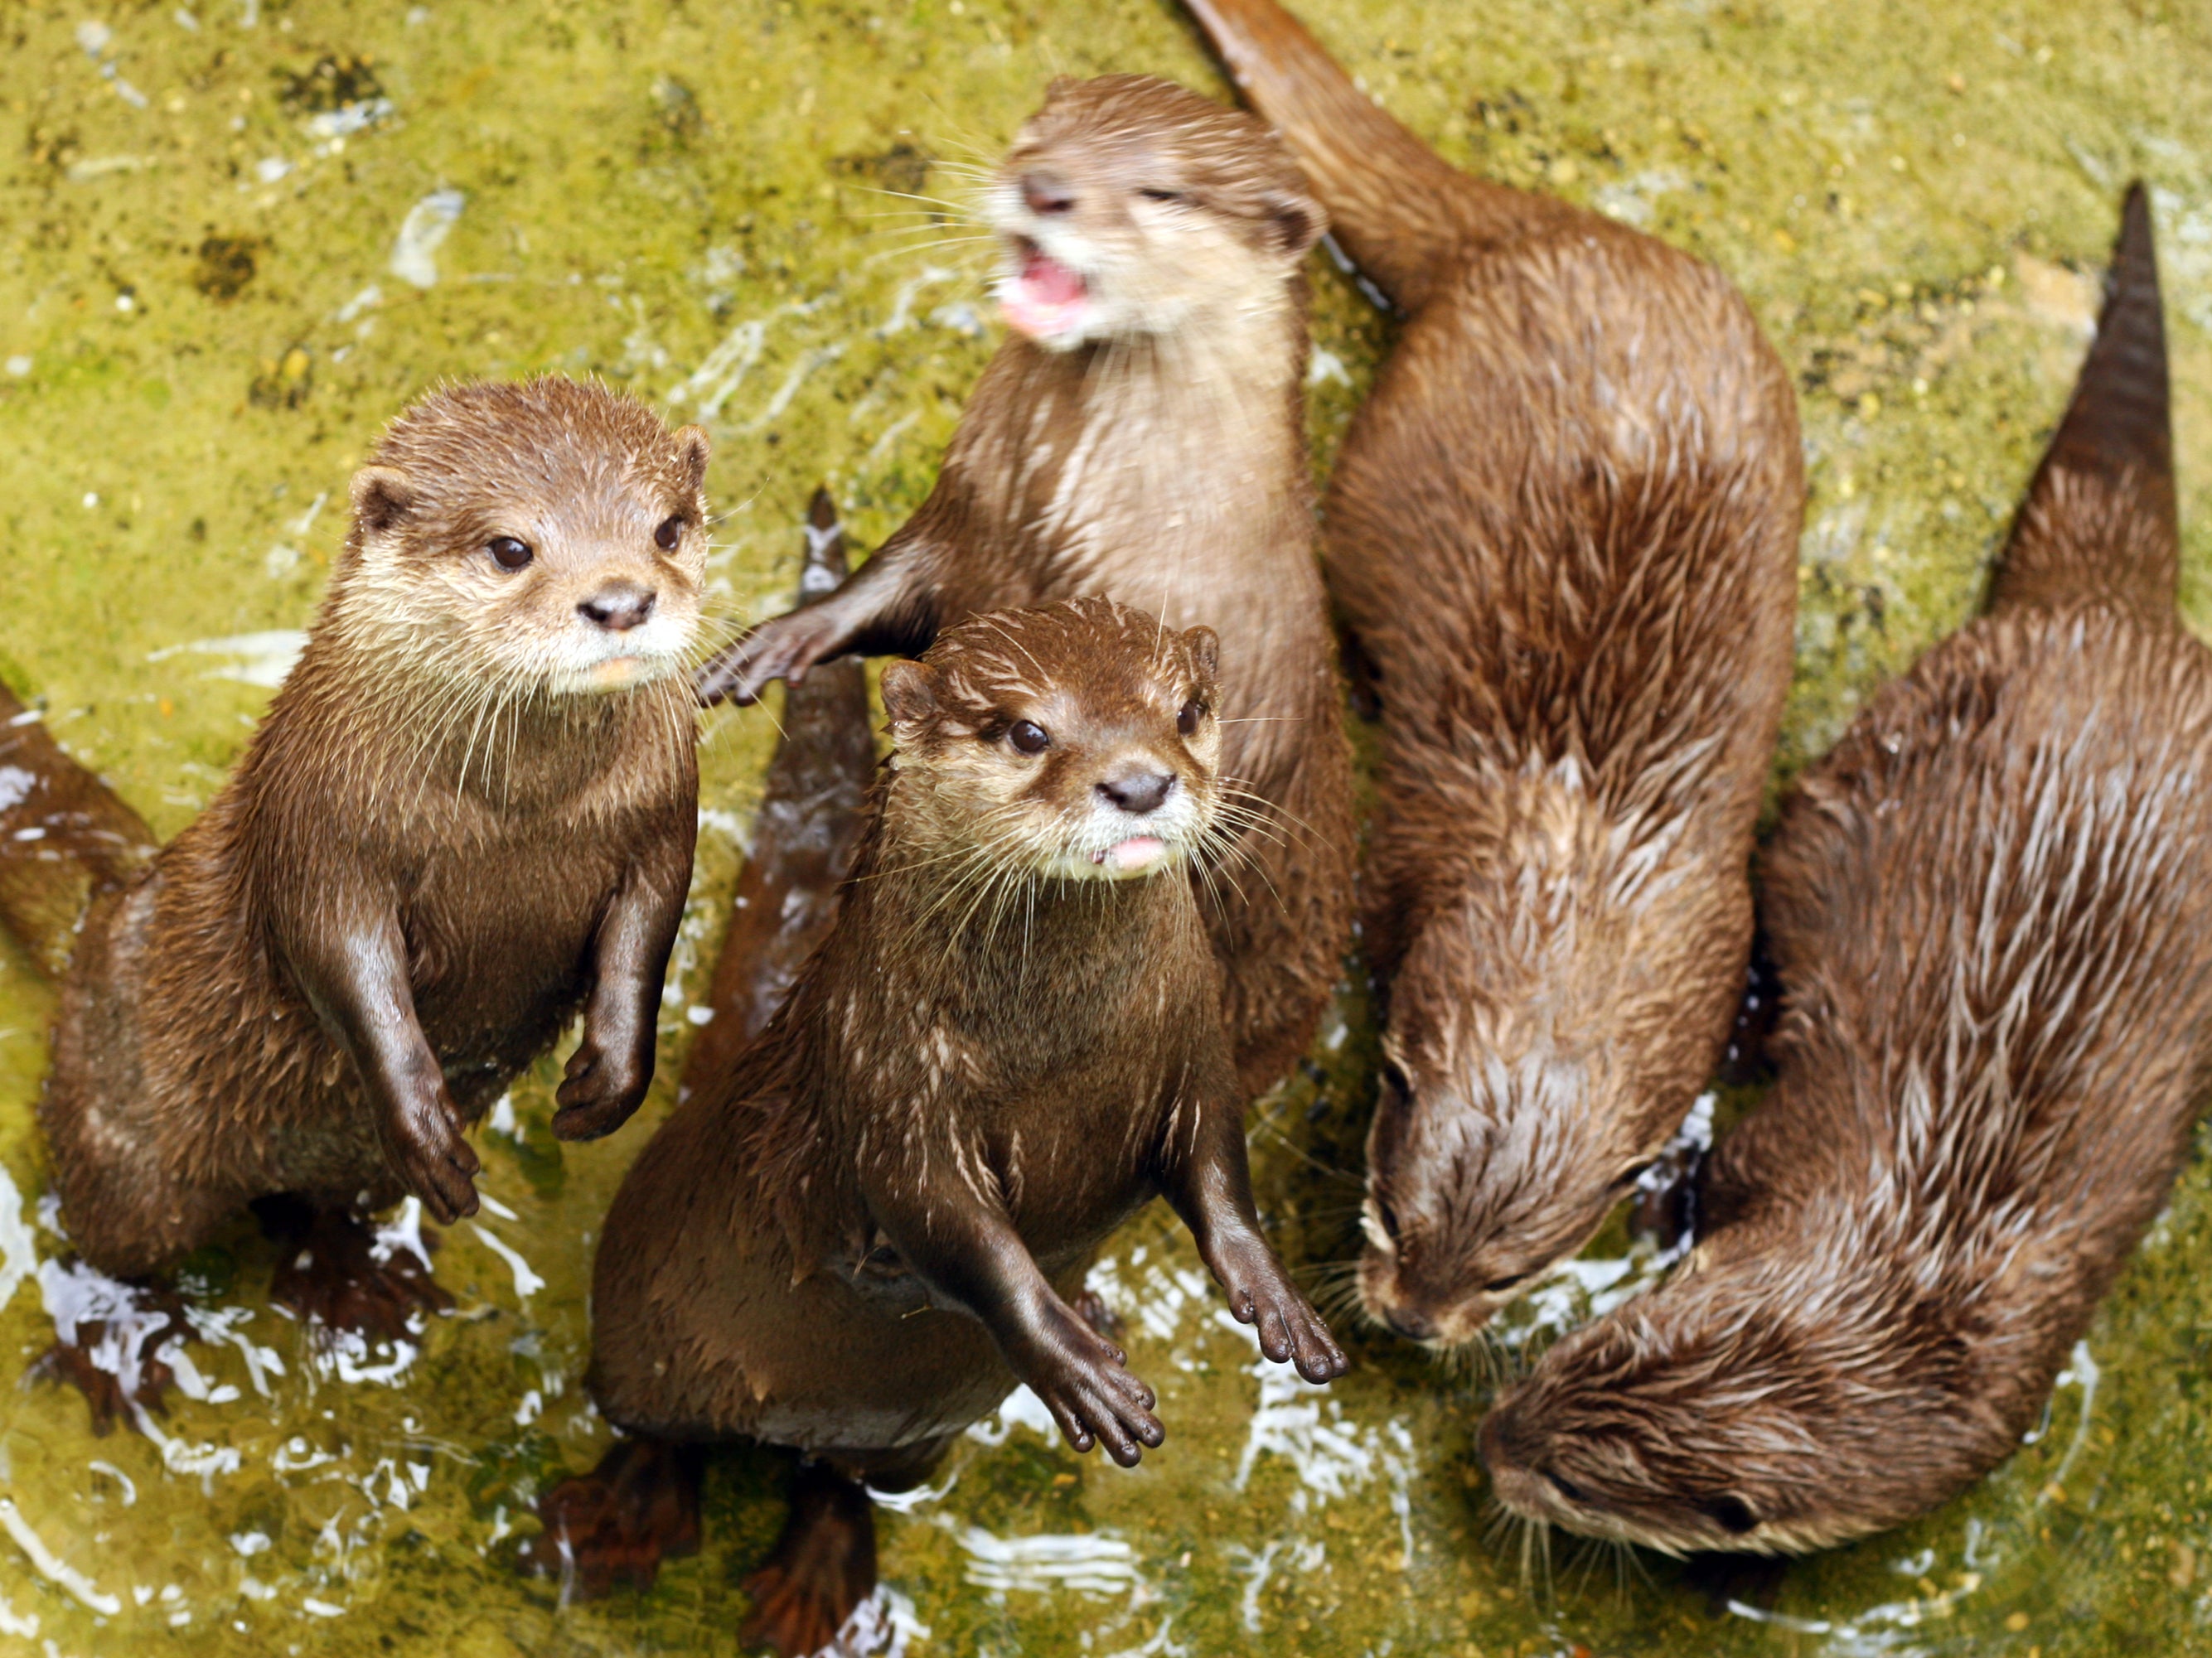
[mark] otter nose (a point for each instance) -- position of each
(1413, 1325)
(1138, 792)
(1046, 193)
(618, 606)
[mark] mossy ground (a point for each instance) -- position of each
(201, 329)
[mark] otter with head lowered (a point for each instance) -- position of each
(1141, 437)
(1991, 909)
(1563, 533)
(467, 816)
(1010, 1041)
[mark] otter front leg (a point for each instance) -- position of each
(1205, 1172)
(889, 606)
(612, 1067)
(352, 963)
(972, 1257)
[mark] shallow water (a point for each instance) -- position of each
(240, 234)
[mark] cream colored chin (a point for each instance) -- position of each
(611, 674)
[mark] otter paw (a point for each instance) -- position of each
(823, 1567)
(1287, 1326)
(614, 1526)
(434, 1162)
(600, 1092)
(112, 1345)
(336, 1271)
(783, 647)
(1080, 1377)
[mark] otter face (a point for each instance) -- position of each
(1078, 741)
(549, 538)
(1751, 1408)
(1129, 207)
(1480, 1178)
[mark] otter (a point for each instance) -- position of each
(467, 816)
(1009, 1042)
(808, 827)
(1990, 907)
(1561, 535)
(66, 837)
(1140, 435)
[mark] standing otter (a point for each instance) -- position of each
(1563, 535)
(468, 814)
(1991, 907)
(1141, 436)
(808, 827)
(1010, 1041)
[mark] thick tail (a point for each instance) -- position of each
(2099, 522)
(65, 837)
(1401, 214)
(812, 807)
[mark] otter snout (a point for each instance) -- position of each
(618, 606)
(1047, 194)
(1138, 792)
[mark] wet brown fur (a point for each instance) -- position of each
(860, 1245)
(1991, 907)
(1562, 533)
(1162, 463)
(429, 859)
(813, 804)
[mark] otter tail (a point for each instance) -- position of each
(1398, 211)
(64, 838)
(812, 807)
(2099, 522)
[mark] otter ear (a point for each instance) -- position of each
(693, 447)
(381, 497)
(1205, 648)
(908, 697)
(1295, 221)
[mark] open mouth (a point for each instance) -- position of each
(1138, 852)
(1045, 298)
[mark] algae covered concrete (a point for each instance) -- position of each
(236, 235)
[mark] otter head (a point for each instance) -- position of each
(1131, 207)
(1810, 1389)
(544, 537)
(1077, 741)
(1549, 1022)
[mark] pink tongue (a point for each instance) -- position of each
(1044, 297)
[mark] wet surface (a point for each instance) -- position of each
(236, 235)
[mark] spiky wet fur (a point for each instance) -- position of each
(1991, 907)
(424, 754)
(1563, 533)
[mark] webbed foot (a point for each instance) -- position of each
(824, 1566)
(335, 1271)
(614, 1526)
(112, 1341)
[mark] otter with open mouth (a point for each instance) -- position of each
(467, 816)
(1991, 909)
(1141, 436)
(1010, 1041)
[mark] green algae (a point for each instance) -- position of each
(237, 236)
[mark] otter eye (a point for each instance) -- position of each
(1731, 1512)
(1566, 1487)
(1396, 1080)
(1498, 1286)
(1157, 195)
(668, 535)
(1028, 737)
(508, 553)
(1190, 717)
(1387, 1216)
